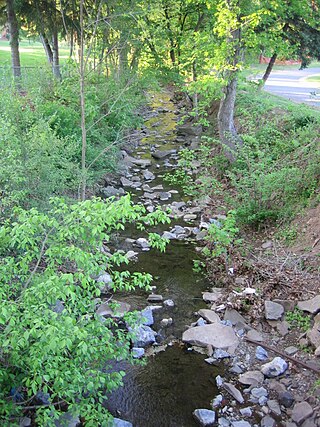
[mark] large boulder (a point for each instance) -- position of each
(143, 335)
(215, 334)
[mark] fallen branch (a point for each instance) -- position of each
(292, 359)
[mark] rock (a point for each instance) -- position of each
(169, 303)
(273, 311)
(215, 334)
(301, 411)
(137, 352)
(236, 319)
(166, 322)
(267, 421)
(148, 176)
(110, 191)
(217, 401)
(236, 369)
(261, 353)
(209, 315)
(142, 243)
(286, 399)
(288, 305)
(223, 422)
(267, 245)
(221, 354)
(67, 420)
(165, 195)
(311, 306)
(168, 235)
(143, 335)
(274, 407)
(162, 154)
(189, 217)
(240, 423)
(25, 422)
(283, 328)
(125, 182)
(189, 130)
(309, 423)
(131, 255)
(291, 350)
(58, 307)
(147, 316)
(211, 296)
(200, 322)
(219, 381)
(251, 378)
(274, 368)
(235, 393)
(255, 335)
(155, 298)
(138, 162)
(314, 335)
(115, 309)
(257, 393)
(246, 412)
(117, 422)
(205, 417)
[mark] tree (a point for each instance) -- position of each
(14, 38)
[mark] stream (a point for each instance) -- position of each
(173, 382)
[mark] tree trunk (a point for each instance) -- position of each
(269, 67)
(227, 130)
(82, 107)
(47, 48)
(14, 38)
(55, 55)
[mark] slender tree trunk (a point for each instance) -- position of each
(269, 67)
(82, 106)
(14, 38)
(55, 55)
(71, 44)
(47, 48)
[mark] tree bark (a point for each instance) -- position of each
(269, 67)
(227, 130)
(47, 48)
(14, 38)
(55, 55)
(82, 107)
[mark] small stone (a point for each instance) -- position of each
(143, 335)
(261, 353)
(291, 350)
(288, 305)
(168, 235)
(267, 245)
(231, 389)
(166, 322)
(301, 411)
(314, 335)
(223, 422)
(143, 243)
(246, 412)
(240, 423)
(286, 399)
(255, 335)
(201, 322)
(283, 328)
(155, 298)
(205, 417)
(189, 217)
(251, 378)
(209, 315)
(131, 255)
(147, 316)
(273, 311)
(169, 303)
(258, 392)
(219, 381)
(221, 354)
(267, 421)
(211, 296)
(274, 407)
(236, 369)
(25, 422)
(148, 176)
(274, 368)
(217, 401)
(137, 352)
(117, 422)
(236, 319)
(311, 306)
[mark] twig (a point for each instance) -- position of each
(292, 359)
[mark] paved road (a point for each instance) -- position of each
(292, 84)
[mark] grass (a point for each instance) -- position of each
(315, 78)
(31, 54)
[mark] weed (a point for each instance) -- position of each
(297, 318)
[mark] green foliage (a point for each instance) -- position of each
(298, 319)
(222, 237)
(287, 234)
(48, 261)
(198, 266)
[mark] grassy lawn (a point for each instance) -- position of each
(31, 54)
(315, 78)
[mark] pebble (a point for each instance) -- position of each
(219, 381)
(301, 411)
(267, 421)
(274, 368)
(221, 354)
(246, 412)
(205, 417)
(258, 392)
(240, 423)
(286, 399)
(169, 303)
(261, 353)
(155, 298)
(251, 378)
(137, 352)
(274, 407)
(291, 350)
(231, 389)
(217, 401)
(223, 422)
(273, 310)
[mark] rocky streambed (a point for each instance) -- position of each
(200, 367)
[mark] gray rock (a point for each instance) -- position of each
(155, 298)
(126, 182)
(142, 335)
(258, 392)
(165, 195)
(311, 306)
(237, 320)
(273, 311)
(189, 217)
(147, 316)
(201, 322)
(291, 350)
(255, 335)
(274, 368)
(288, 305)
(240, 423)
(267, 245)
(110, 191)
(219, 381)
(138, 162)
(236, 369)
(58, 307)
(115, 309)
(211, 296)
(137, 352)
(142, 243)
(261, 353)
(301, 411)
(221, 354)
(209, 315)
(117, 422)
(162, 154)
(286, 398)
(268, 421)
(283, 328)
(205, 417)
(235, 393)
(25, 422)
(104, 278)
(166, 322)
(169, 303)
(314, 335)
(168, 235)
(251, 378)
(189, 130)
(131, 255)
(246, 412)
(223, 422)
(67, 420)
(215, 334)
(217, 401)
(148, 176)
(274, 407)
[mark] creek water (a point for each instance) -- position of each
(171, 384)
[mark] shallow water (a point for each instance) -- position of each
(172, 383)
